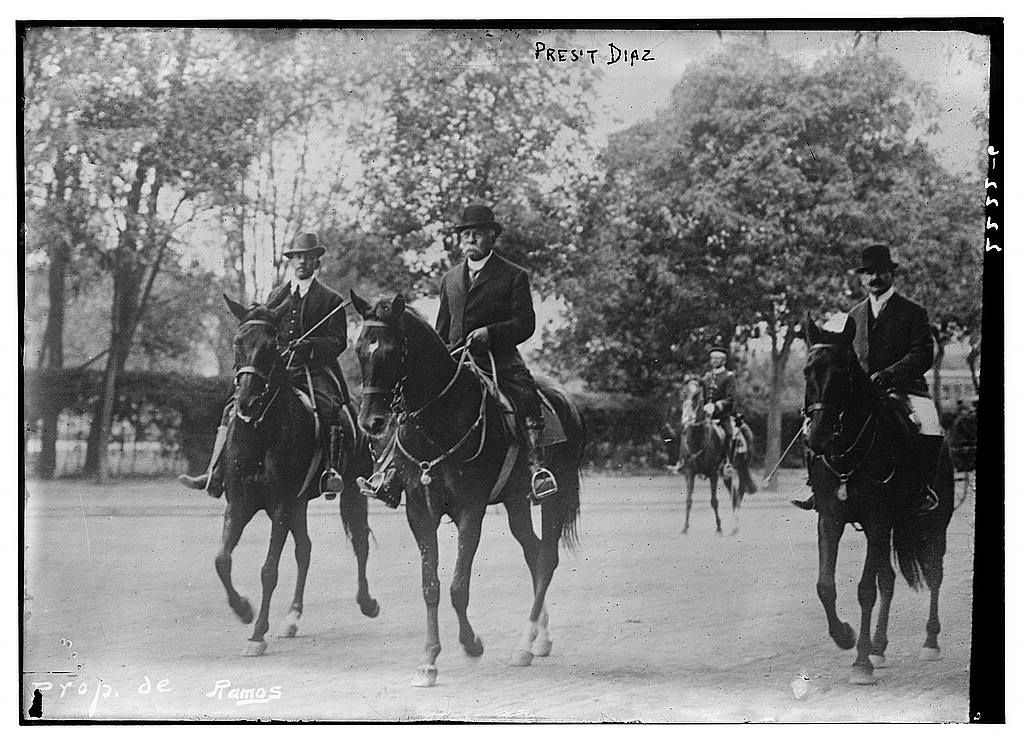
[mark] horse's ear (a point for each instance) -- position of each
(398, 305)
(359, 304)
(811, 331)
(236, 308)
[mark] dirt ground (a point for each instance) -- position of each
(126, 619)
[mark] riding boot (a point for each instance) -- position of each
(331, 482)
(542, 481)
(383, 484)
(927, 451)
(213, 480)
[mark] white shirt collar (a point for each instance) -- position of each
(302, 285)
(475, 265)
(718, 370)
(877, 304)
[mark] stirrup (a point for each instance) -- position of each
(542, 484)
(331, 484)
(807, 504)
(376, 487)
(929, 501)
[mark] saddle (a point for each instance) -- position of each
(554, 430)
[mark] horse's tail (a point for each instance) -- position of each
(568, 460)
(919, 539)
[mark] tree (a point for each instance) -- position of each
(763, 180)
(448, 124)
(161, 130)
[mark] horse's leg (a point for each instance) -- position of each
(552, 519)
(303, 550)
(713, 482)
(691, 475)
(268, 574)
(235, 520)
(468, 523)
(933, 573)
(877, 534)
(830, 531)
(357, 525)
(520, 523)
(424, 528)
(886, 588)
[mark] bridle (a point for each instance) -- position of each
(264, 378)
(409, 419)
(831, 460)
(698, 419)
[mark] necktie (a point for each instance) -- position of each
(472, 276)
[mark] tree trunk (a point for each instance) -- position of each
(940, 353)
(53, 355)
(773, 435)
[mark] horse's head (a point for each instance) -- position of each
(693, 401)
(256, 355)
(381, 350)
(829, 375)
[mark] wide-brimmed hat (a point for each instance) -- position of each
(478, 216)
(876, 259)
(306, 242)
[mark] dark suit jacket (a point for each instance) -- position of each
(720, 390)
(499, 300)
(899, 340)
(330, 338)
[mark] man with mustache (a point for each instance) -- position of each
(312, 333)
(893, 342)
(486, 306)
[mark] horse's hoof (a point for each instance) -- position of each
(878, 661)
(862, 676)
(541, 648)
(425, 676)
(290, 625)
(929, 654)
(684, 532)
(255, 648)
(474, 649)
(845, 639)
(521, 658)
(369, 608)
(718, 531)
(244, 610)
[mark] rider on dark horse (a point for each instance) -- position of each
(312, 333)
(486, 306)
(719, 386)
(893, 342)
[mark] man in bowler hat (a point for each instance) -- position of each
(312, 332)
(486, 305)
(893, 343)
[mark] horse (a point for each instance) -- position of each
(856, 451)
(702, 452)
(270, 464)
(450, 454)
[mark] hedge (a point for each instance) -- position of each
(622, 431)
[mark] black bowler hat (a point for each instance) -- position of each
(478, 216)
(876, 259)
(306, 242)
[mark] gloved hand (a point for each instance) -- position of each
(303, 351)
(884, 379)
(478, 340)
(709, 408)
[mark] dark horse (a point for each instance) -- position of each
(267, 466)
(702, 452)
(856, 446)
(450, 451)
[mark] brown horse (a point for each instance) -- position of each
(856, 447)
(451, 457)
(702, 452)
(267, 466)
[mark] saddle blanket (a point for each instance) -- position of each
(927, 413)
